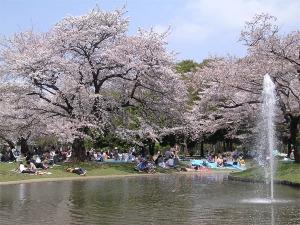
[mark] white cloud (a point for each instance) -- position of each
(185, 31)
(211, 24)
(234, 13)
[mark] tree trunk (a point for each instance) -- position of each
(289, 149)
(186, 152)
(230, 147)
(202, 149)
(151, 145)
(78, 150)
(9, 142)
(293, 137)
(24, 146)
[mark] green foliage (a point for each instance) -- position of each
(88, 144)
(186, 66)
(162, 148)
(110, 140)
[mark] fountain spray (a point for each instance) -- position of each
(268, 129)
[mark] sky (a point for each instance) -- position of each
(199, 29)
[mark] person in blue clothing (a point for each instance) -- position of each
(235, 156)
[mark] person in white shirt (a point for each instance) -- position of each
(24, 169)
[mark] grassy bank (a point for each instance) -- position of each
(289, 172)
(8, 171)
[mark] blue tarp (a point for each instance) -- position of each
(213, 165)
(231, 166)
(197, 162)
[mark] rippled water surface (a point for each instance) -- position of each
(166, 199)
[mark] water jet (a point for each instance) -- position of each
(267, 137)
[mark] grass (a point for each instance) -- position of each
(8, 173)
(284, 172)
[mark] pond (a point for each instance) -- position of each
(165, 199)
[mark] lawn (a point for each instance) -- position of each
(8, 171)
(284, 172)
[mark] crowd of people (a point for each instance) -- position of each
(222, 160)
(144, 162)
(9, 154)
(170, 159)
(114, 154)
(231, 160)
(37, 158)
(47, 156)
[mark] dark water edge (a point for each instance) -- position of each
(243, 179)
(167, 199)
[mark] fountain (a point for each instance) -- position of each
(266, 145)
(267, 133)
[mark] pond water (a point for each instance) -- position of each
(166, 199)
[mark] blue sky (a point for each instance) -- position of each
(199, 28)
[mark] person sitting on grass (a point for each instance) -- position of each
(39, 163)
(24, 169)
(219, 161)
(145, 166)
(78, 170)
(241, 161)
(32, 166)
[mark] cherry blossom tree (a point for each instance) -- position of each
(89, 74)
(18, 124)
(280, 53)
(232, 86)
(215, 116)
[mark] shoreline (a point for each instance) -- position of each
(61, 179)
(249, 180)
(82, 178)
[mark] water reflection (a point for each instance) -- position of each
(169, 199)
(272, 215)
